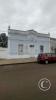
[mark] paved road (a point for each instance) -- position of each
(20, 82)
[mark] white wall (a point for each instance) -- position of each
(3, 53)
(15, 40)
(45, 42)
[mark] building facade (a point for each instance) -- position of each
(52, 45)
(23, 44)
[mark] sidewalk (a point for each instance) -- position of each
(16, 61)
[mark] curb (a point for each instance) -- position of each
(16, 61)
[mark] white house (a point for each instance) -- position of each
(23, 44)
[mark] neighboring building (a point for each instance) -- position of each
(52, 45)
(27, 43)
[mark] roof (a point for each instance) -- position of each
(28, 32)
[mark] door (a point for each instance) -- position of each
(31, 50)
(20, 49)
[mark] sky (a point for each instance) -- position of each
(39, 15)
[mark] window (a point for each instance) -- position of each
(55, 50)
(41, 49)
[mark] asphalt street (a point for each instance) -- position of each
(20, 81)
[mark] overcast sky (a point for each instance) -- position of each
(28, 14)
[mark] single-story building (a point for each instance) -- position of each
(25, 44)
(29, 43)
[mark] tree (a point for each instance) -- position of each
(4, 40)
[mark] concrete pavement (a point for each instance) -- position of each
(15, 61)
